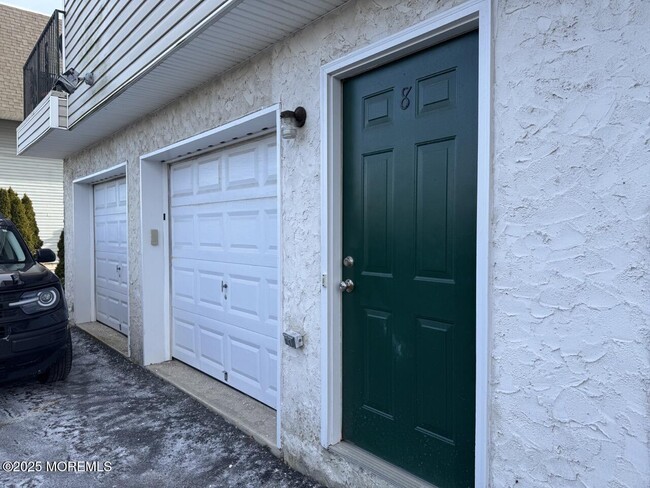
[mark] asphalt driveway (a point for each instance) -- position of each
(112, 411)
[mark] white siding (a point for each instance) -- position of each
(137, 73)
(41, 179)
(35, 125)
(50, 113)
(116, 41)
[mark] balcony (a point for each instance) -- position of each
(46, 111)
(44, 64)
(143, 56)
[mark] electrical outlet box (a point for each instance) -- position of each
(293, 339)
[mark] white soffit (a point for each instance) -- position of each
(248, 28)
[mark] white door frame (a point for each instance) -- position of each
(446, 25)
(83, 235)
(154, 214)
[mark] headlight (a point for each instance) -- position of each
(38, 300)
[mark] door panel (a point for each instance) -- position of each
(409, 222)
(224, 266)
(111, 267)
(378, 213)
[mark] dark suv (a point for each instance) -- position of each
(34, 331)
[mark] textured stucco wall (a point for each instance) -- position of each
(569, 252)
(571, 197)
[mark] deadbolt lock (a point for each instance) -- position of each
(348, 261)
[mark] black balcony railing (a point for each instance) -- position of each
(43, 66)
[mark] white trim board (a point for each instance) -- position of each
(450, 23)
(154, 215)
(104, 175)
(83, 237)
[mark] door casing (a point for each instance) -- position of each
(475, 14)
(154, 212)
(83, 264)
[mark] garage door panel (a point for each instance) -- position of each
(112, 271)
(245, 296)
(243, 172)
(209, 177)
(113, 233)
(107, 276)
(110, 233)
(214, 346)
(272, 299)
(253, 297)
(110, 198)
(197, 232)
(270, 217)
(112, 308)
(224, 260)
(243, 231)
(250, 300)
(197, 286)
(270, 168)
(248, 363)
(268, 191)
(183, 232)
(245, 323)
(111, 267)
(183, 283)
(195, 182)
(200, 232)
(184, 344)
(242, 168)
(210, 232)
(182, 180)
(209, 293)
(101, 238)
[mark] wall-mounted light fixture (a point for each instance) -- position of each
(70, 81)
(291, 120)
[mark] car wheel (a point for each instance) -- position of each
(61, 369)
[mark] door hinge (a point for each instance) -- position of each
(323, 280)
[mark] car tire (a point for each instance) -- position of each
(60, 370)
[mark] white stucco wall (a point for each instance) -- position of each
(569, 254)
(570, 257)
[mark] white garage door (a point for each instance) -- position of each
(224, 223)
(111, 270)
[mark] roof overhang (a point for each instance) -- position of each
(202, 55)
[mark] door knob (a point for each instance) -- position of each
(347, 286)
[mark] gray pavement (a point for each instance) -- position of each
(112, 411)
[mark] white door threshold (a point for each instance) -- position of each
(383, 469)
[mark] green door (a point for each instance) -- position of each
(409, 223)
